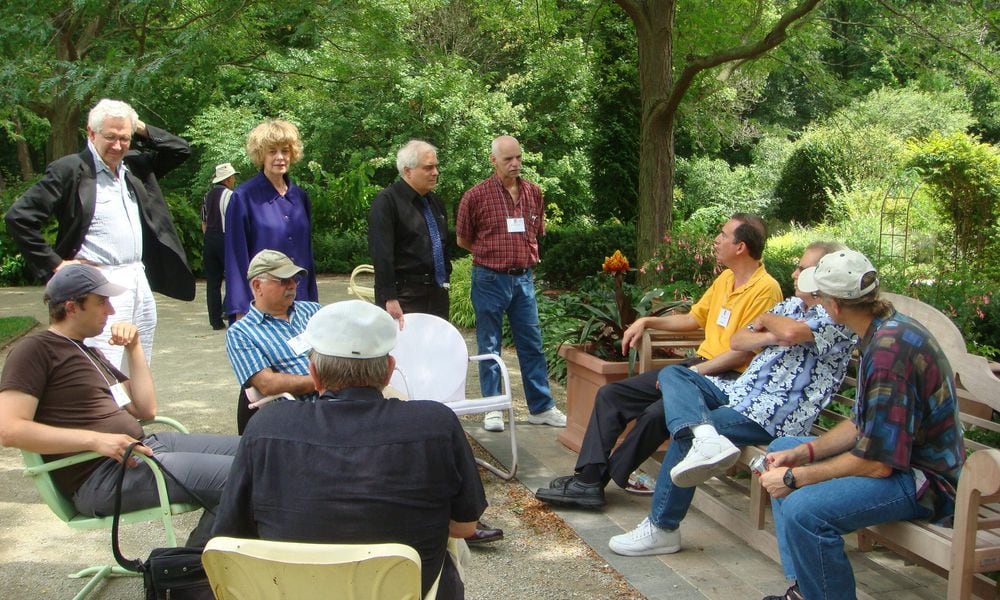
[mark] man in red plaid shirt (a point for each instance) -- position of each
(499, 221)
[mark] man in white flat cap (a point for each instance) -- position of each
(354, 466)
(213, 225)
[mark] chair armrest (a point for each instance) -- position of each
(55, 465)
(173, 423)
(659, 338)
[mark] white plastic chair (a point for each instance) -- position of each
(245, 569)
(432, 361)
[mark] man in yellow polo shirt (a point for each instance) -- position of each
(743, 291)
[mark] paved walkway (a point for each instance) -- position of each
(194, 380)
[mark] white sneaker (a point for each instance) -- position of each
(493, 421)
(707, 458)
(553, 417)
(646, 540)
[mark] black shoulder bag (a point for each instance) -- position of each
(168, 573)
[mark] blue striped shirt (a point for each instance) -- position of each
(259, 341)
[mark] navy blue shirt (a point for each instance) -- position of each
(355, 468)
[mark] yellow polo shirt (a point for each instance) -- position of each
(742, 305)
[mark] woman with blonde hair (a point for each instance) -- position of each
(269, 212)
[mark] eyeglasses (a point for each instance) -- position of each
(121, 139)
(816, 295)
(294, 279)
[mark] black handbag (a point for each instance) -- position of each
(168, 573)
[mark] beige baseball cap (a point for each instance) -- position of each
(274, 263)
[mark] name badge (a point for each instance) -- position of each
(120, 395)
(298, 344)
(723, 319)
(515, 225)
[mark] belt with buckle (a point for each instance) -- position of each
(514, 272)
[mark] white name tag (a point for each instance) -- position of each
(120, 395)
(515, 225)
(298, 344)
(723, 319)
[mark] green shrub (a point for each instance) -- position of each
(461, 313)
(339, 252)
(828, 160)
(571, 253)
(683, 264)
(187, 221)
(963, 175)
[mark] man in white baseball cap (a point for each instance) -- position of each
(354, 466)
(897, 458)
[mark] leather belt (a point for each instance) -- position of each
(515, 272)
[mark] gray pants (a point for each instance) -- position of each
(200, 461)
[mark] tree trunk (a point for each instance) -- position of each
(654, 22)
(64, 137)
(23, 156)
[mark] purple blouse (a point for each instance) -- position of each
(258, 218)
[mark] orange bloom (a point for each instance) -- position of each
(616, 263)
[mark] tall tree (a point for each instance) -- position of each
(749, 30)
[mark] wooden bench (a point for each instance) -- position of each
(963, 553)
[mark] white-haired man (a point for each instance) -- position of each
(354, 466)
(408, 238)
(112, 215)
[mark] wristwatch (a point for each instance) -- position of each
(789, 480)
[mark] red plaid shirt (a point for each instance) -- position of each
(482, 219)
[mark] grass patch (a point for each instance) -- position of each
(14, 327)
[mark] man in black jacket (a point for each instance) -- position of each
(111, 214)
(408, 238)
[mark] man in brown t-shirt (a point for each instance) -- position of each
(59, 397)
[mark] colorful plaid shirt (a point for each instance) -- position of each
(907, 411)
(483, 219)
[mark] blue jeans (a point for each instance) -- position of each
(810, 521)
(693, 400)
(493, 295)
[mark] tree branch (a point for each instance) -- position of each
(775, 36)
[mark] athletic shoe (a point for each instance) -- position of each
(552, 417)
(707, 458)
(646, 540)
(493, 421)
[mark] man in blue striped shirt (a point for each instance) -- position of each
(264, 346)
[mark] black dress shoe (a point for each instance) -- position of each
(484, 534)
(570, 491)
(218, 326)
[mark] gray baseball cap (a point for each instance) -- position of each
(274, 263)
(73, 281)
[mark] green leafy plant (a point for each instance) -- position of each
(606, 306)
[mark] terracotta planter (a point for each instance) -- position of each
(585, 374)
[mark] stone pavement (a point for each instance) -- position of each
(194, 381)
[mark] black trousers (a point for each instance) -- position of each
(213, 263)
(421, 298)
(616, 404)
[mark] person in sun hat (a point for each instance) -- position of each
(60, 396)
(897, 458)
(354, 466)
(213, 226)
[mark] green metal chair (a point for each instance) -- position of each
(41, 474)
